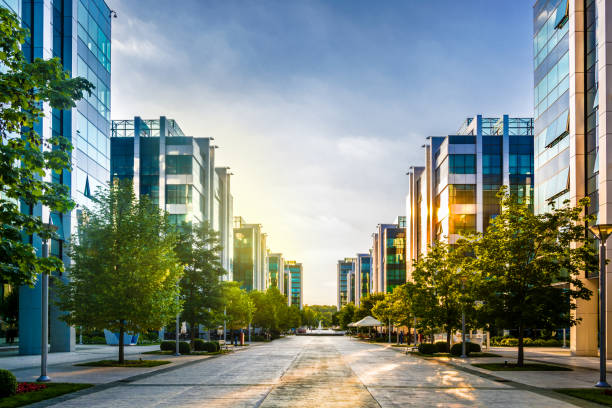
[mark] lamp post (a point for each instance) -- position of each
(602, 232)
(463, 348)
(44, 310)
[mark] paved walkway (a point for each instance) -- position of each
(315, 372)
(61, 366)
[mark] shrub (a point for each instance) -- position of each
(442, 346)
(217, 345)
(427, 348)
(470, 347)
(8, 383)
(170, 345)
(198, 345)
(509, 342)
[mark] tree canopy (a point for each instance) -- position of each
(124, 275)
(27, 162)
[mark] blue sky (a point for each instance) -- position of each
(320, 107)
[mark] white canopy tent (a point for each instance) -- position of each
(367, 321)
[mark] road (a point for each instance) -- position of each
(313, 372)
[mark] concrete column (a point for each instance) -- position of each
(604, 67)
(583, 337)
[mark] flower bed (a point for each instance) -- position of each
(24, 387)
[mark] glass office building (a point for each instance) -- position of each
(389, 256)
(77, 32)
(250, 264)
(276, 270)
(295, 273)
(177, 172)
(455, 192)
(346, 272)
(363, 274)
(571, 56)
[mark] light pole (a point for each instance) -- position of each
(224, 324)
(602, 232)
(463, 348)
(44, 310)
(176, 334)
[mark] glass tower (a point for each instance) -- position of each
(295, 273)
(78, 32)
(346, 269)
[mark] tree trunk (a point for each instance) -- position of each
(121, 345)
(448, 339)
(520, 358)
(193, 326)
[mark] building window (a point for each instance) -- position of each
(178, 194)
(462, 223)
(462, 194)
(491, 164)
(462, 163)
(178, 164)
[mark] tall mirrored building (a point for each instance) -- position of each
(363, 272)
(78, 32)
(571, 91)
(345, 272)
(276, 271)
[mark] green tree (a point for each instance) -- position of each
(26, 160)
(440, 289)
(125, 273)
(323, 313)
(239, 307)
(199, 250)
(366, 305)
(294, 318)
(346, 315)
(530, 266)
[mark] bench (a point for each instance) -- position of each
(223, 345)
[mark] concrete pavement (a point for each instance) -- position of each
(315, 372)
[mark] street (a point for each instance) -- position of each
(313, 372)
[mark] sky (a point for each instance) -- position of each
(320, 107)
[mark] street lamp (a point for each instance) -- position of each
(463, 348)
(602, 232)
(44, 310)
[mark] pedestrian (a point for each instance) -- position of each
(401, 337)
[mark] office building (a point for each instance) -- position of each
(78, 33)
(276, 271)
(455, 192)
(389, 256)
(570, 64)
(363, 266)
(296, 282)
(346, 273)
(249, 255)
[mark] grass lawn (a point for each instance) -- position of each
(52, 390)
(599, 396)
(526, 367)
(126, 363)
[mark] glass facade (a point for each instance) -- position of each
(395, 258)
(346, 268)
(551, 100)
(365, 270)
(295, 273)
(244, 257)
(78, 34)
(470, 168)
(274, 264)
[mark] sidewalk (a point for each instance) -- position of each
(552, 355)
(61, 366)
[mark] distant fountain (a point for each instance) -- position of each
(320, 327)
